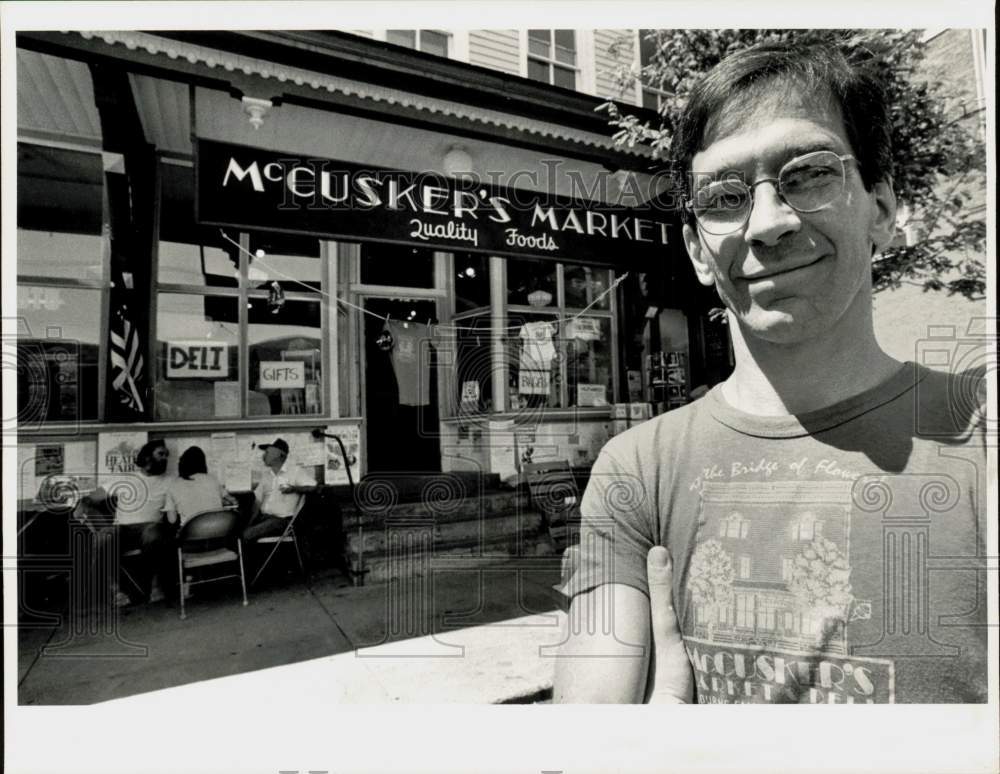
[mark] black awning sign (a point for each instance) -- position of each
(249, 187)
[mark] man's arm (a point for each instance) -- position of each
(604, 658)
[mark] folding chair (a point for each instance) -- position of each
(287, 536)
(125, 556)
(554, 493)
(205, 541)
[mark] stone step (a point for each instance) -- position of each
(410, 487)
(441, 534)
(374, 507)
(380, 568)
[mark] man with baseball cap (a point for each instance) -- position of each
(277, 495)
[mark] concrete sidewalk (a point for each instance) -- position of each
(460, 635)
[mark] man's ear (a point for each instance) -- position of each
(883, 227)
(693, 244)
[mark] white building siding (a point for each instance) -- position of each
(496, 49)
(606, 64)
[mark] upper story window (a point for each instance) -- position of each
(652, 95)
(428, 41)
(552, 57)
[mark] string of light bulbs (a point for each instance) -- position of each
(259, 258)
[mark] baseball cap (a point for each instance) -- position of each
(279, 443)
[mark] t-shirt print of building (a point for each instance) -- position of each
(771, 567)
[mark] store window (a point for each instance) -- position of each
(532, 282)
(396, 265)
(286, 357)
(589, 361)
(535, 364)
(197, 354)
(222, 292)
(553, 352)
(552, 57)
(472, 282)
(584, 286)
(428, 41)
(61, 270)
(190, 254)
(474, 364)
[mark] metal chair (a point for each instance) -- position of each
(287, 536)
(204, 541)
(554, 493)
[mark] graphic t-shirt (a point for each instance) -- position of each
(831, 557)
(411, 361)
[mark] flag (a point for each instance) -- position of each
(127, 363)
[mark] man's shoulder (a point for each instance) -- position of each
(950, 404)
(658, 434)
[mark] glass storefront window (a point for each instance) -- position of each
(57, 354)
(290, 260)
(584, 284)
(285, 357)
(399, 265)
(189, 253)
(531, 282)
(474, 364)
(60, 237)
(472, 282)
(588, 361)
(534, 361)
(197, 357)
(281, 328)
(54, 254)
(59, 213)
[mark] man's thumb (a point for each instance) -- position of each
(658, 565)
(660, 574)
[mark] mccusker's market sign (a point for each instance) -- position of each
(254, 188)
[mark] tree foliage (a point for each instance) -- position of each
(939, 161)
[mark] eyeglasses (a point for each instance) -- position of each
(806, 184)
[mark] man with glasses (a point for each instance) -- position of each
(822, 506)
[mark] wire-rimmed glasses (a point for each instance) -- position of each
(807, 183)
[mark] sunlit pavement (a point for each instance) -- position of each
(463, 635)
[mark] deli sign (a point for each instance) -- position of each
(254, 188)
(197, 359)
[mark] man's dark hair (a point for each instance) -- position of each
(191, 461)
(145, 454)
(813, 66)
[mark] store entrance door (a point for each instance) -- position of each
(401, 390)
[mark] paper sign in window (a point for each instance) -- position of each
(591, 395)
(197, 359)
(470, 392)
(281, 374)
(533, 382)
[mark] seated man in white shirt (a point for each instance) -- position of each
(277, 496)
